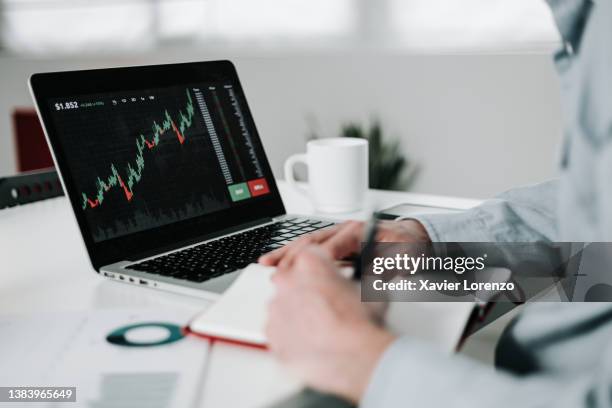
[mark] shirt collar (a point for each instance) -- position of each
(571, 17)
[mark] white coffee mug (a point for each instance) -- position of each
(337, 173)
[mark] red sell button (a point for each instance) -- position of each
(258, 187)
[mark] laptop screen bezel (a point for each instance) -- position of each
(47, 86)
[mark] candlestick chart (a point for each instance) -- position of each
(134, 169)
(147, 158)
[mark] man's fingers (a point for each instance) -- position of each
(310, 259)
(323, 234)
(309, 265)
(273, 258)
(345, 242)
(294, 249)
(286, 253)
(341, 231)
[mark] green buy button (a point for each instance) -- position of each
(239, 192)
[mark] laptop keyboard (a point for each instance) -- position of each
(212, 259)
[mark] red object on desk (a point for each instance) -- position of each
(32, 151)
(213, 339)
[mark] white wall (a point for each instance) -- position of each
(477, 124)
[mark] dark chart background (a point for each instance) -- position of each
(129, 180)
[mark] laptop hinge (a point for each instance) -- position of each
(201, 238)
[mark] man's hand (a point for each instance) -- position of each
(341, 241)
(318, 326)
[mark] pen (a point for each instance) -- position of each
(369, 239)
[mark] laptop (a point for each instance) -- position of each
(165, 172)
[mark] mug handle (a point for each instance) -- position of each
(289, 177)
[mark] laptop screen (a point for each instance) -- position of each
(152, 157)
(147, 158)
(156, 157)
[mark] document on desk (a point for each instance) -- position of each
(71, 350)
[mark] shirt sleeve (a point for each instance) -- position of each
(526, 214)
(410, 373)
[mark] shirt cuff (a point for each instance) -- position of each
(467, 226)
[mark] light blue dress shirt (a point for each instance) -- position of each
(573, 370)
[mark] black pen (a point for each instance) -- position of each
(369, 240)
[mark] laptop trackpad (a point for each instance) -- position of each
(220, 284)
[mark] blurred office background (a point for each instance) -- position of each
(468, 86)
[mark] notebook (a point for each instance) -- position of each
(239, 316)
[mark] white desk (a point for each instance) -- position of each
(45, 269)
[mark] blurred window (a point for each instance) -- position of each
(40, 26)
(76, 25)
(92, 26)
(280, 19)
(469, 24)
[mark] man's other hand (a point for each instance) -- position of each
(319, 328)
(341, 241)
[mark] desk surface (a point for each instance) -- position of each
(45, 269)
